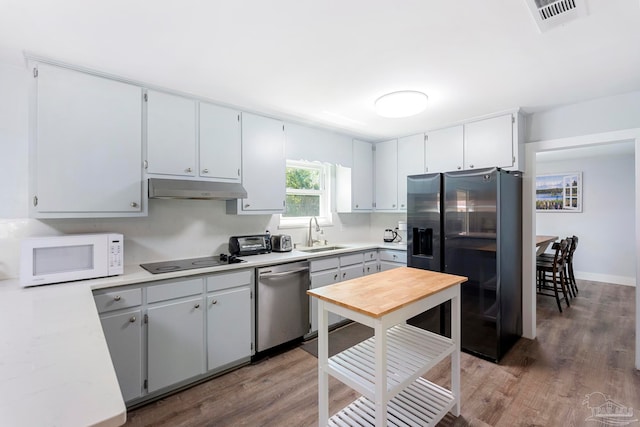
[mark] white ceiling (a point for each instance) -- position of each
(325, 62)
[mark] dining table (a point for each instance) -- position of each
(543, 242)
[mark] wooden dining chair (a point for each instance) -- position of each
(551, 274)
(571, 278)
(572, 286)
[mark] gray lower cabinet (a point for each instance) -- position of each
(319, 279)
(327, 271)
(371, 265)
(228, 326)
(175, 340)
(121, 317)
(123, 332)
(164, 334)
(390, 259)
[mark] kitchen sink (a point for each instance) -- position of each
(321, 248)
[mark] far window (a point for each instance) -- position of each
(307, 194)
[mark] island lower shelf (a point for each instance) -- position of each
(421, 404)
(411, 352)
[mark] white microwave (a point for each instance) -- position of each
(71, 257)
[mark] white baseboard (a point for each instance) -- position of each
(606, 278)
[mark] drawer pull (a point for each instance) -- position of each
(132, 319)
(215, 301)
(335, 277)
(117, 298)
(196, 306)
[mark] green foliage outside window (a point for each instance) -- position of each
(302, 204)
(303, 179)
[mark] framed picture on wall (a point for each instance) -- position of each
(559, 192)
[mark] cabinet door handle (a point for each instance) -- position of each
(188, 170)
(470, 166)
(247, 205)
(344, 275)
(134, 205)
(335, 277)
(459, 167)
(393, 206)
(402, 206)
(357, 206)
(132, 319)
(205, 170)
(117, 298)
(196, 306)
(213, 302)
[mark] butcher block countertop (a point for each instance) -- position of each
(381, 293)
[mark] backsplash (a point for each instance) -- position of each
(173, 229)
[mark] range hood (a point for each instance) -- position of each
(201, 190)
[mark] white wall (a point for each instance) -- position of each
(173, 228)
(606, 251)
(585, 118)
(610, 119)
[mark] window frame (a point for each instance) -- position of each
(325, 216)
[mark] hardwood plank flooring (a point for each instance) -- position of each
(588, 348)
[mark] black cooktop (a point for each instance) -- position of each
(190, 264)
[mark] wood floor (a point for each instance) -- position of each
(588, 348)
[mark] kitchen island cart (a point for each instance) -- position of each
(387, 369)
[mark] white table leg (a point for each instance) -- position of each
(323, 356)
(455, 357)
(381, 374)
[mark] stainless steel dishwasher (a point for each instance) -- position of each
(283, 304)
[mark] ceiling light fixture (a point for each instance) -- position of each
(403, 103)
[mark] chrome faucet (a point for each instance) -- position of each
(310, 238)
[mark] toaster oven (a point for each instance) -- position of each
(250, 245)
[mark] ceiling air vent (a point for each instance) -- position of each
(553, 13)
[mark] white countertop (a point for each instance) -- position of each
(55, 368)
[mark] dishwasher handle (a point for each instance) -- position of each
(284, 273)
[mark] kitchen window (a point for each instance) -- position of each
(307, 193)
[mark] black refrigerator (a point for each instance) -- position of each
(469, 223)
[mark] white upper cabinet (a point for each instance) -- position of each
(263, 167)
(386, 175)
(444, 150)
(395, 160)
(86, 150)
(171, 134)
(362, 176)
(410, 162)
(354, 185)
(489, 143)
(220, 143)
